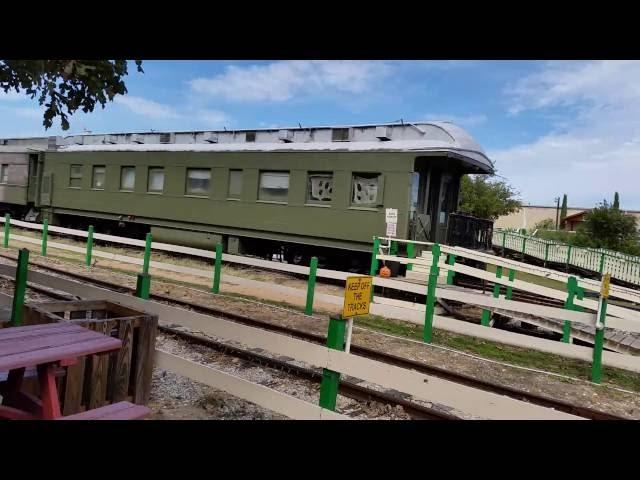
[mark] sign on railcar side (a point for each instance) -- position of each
(391, 219)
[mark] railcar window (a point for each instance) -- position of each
(365, 188)
(274, 186)
(235, 184)
(250, 137)
(127, 178)
(198, 181)
(75, 177)
(4, 173)
(156, 180)
(98, 177)
(320, 187)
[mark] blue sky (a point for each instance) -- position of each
(551, 127)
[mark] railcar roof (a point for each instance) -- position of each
(454, 141)
(416, 146)
(5, 149)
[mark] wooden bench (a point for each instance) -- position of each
(115, 411)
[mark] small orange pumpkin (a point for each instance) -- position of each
(385, 272)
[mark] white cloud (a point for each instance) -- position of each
(595, 154)
(462, 120)
(597, 84)
(213, 118)
(281, 81)
(147, 108)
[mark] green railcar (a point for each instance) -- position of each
(295, 192)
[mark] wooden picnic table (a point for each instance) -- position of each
(45, 348)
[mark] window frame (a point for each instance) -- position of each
(229, 195)
(93, 177)
(261, 173)
(79, 178)
(186, 183)
(4, 171)
(379, 197)
(122, 169)
(149, 170)
(311, 201)
(335, 130)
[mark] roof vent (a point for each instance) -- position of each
(167, 138)
(210, 137)
(383, 133)
(53, 143)
(136, 138)
(112, 139)
(286, 136)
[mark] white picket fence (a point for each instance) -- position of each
(619, 265)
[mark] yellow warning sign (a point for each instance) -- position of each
(606, 281)
(357, 295)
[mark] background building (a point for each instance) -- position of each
(529, 215)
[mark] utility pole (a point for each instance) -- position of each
(557, 199)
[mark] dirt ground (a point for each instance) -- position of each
(602, 397)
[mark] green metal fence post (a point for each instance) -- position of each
(330, 379)
(411, 253)
(89, 246)
(512, 277)
(524, 243)
(217, 269)
(374, 256)
(143, 286)
(601, 270)
(572, 290)
(430, 306)
(45, 233)
(311, 285)
(22, 271)
(568, 258)
(596, 368)
(147, 253)
(7, 228)
(374, 261)
(451, 260)
(486, 314)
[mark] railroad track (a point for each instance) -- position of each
(460, 378)
(346, 388)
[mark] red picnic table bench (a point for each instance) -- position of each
(46, 348)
